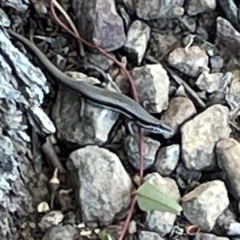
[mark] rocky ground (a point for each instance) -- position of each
(69, 169)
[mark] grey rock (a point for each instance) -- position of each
(194, 7)
(161, 43)
(200, 135)
(230, 10)
(159, 9)
(232, 95)
(150, 147)
(167, 159)
(99, 22)
(228, 152)
(234, 229)
(204, 204)
(224, 221)
(189, 22)
(66, 232)
(145, 235)
(4, 20)
(18, 5)
(191, 61)
(227, 37)
(50, 219)
(103, 186)
(213, 82)
(152, 84)
(179, 110)
(137, 40)
(216, 63)
(209, 236)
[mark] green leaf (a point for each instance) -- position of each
(104, 236)
(149, 197)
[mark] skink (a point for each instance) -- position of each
(98, 96)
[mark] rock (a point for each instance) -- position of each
(194, 7)
(159, 9)
(167, 159)
(66, 232)
(204, 204)
(200, 135)
(145, 235)
(209, 236)
(150, 147)
(50, 219)
(137, 40)
(191, 61)
(99, 22)
(228, 152)
(179, 110)
(213, 82)
(227, 37)
(152, 84)
(103, 186)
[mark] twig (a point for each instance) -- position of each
(49, 151)
(187, 87)
(54, 184)
(127, 221)
(60, 8)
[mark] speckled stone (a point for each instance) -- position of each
(205, 204)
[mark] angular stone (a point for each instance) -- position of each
(103, 186)
(228, 152)
(204, 204)
(200, 135)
